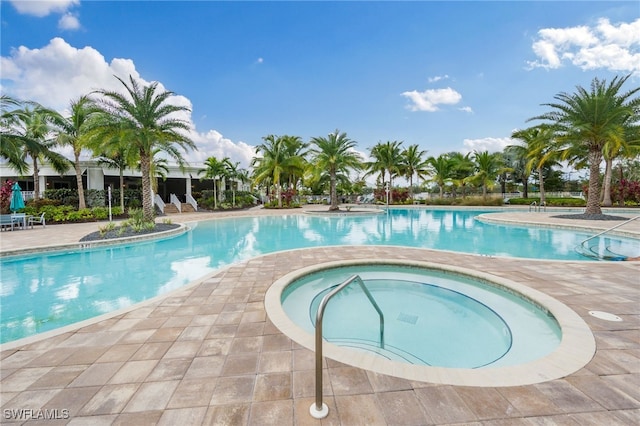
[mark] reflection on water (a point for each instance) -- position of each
(40, 293)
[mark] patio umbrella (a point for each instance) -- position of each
(17, 202)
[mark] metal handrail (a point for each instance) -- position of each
(607, 230)
(318, 409)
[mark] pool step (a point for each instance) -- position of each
(389, 352)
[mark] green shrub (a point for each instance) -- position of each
(100, 213)
(553, 202)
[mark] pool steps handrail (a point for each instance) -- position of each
(584, 249)
(318, 409)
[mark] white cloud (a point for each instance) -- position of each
(466, 109)
(68, 21)
(430, 99)
(58, 73)
(614, 47)
(486, 144)
(43, 8)
(437, 78)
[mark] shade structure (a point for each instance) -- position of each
(17, 202)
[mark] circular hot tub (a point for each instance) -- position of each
(431, 322)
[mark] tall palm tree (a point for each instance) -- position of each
(31, 132)
(440, 170)
(387, 159)
(587, 120)
(488, 168)
(72, 132)
(413, 164)
(335, 155)
(144, 117)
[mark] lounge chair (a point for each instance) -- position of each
(37, 219)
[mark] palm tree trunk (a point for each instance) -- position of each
(593, 197)
(81, 201)
(332, 189)
(215, 195)
(279, 195)
(122, 190)
(36, 179)
(606, 190)
(147, 203)
(621, 191)
(542, 194)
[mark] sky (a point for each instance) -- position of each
(448, 76)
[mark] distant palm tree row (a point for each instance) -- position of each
(132, 129)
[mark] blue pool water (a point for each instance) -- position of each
(45, 291)
(431, 317)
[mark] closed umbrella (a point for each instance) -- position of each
(17, 202)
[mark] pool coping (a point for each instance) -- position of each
(575, 350)
(88, 245)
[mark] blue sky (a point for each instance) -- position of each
(449, 76)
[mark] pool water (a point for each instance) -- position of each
(430, 317)
(42, 292)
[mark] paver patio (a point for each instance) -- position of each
(208, 354)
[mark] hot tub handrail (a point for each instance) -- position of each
(318, 409)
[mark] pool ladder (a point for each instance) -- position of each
(318, 409)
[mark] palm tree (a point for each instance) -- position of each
(335, 155)
(538, 150)
(11, 146)
(413, 164)
(586, 121)
(144, 118)
(30, 133)
(72, 132)
(462, 167)
(441, 169)
(281, 158)
(627, 147)
(387, 159)
(121, 158)
(488, 168)
(296, 151)
(215, 170)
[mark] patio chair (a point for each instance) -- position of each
(37, 219)
(6, 221)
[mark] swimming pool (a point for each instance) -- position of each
(42, 292)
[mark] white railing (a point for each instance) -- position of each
(174, 200)
(192, 201)
(559, 194)
(157, 199)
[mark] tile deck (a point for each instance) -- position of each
(209, 354)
